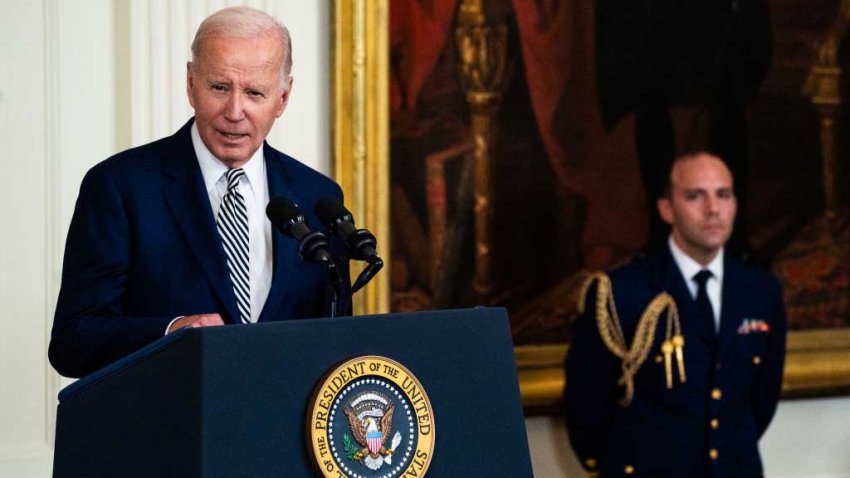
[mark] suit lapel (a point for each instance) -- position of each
(188, 201)
(284, 249)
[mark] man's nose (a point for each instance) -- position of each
(234, 110)
(712, 204)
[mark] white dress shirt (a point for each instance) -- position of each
(689, 268)
(254, 188)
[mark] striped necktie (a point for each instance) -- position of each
(232, 226)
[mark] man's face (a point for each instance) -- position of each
(234, 86)
(702, 206)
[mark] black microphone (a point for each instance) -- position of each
(287, 218)
(312, 245)
(361, 243)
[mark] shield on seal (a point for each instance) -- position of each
(374, 439)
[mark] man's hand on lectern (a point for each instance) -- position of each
(200, 320)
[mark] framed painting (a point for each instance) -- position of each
(493, 178)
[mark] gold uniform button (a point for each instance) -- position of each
(716, 394)
(629, 469)
(712, 453)
(658, 359)
(715, 424)
(590, 463)
(756, 360)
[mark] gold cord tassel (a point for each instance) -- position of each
(633, 357)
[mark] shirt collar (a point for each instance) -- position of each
(690, 267)
(213, 169)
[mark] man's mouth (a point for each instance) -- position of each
(232, 136)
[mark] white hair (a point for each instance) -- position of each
(245, 23)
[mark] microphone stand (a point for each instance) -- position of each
(310, 246)
(360, 238)
(334, 278)
(334, 281)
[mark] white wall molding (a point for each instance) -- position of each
(26, 454)
(23, 242)
(52, 218)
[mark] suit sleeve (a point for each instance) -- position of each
(590, 393)
(89, 327)
(768, 383)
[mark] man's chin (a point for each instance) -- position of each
(233, 156)
(712, 245)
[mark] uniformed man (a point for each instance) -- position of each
(676, 365)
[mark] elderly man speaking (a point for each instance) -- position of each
(173, 233)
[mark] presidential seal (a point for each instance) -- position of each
(371, 418)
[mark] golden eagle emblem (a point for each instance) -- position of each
(370, 417)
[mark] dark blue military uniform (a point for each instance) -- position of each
(708, 426)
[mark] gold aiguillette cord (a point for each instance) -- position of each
(633, 357)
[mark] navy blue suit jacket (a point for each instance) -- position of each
(143, 249)
(708, 426)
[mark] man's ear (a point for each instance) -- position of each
(284, 97)
(190, 83)
(665, 209)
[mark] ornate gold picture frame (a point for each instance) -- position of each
(817, 363)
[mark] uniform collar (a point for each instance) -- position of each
(690, 267)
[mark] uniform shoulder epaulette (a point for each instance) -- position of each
(611, 331)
